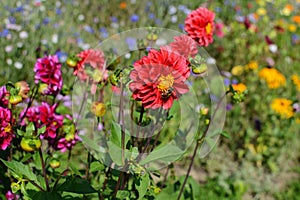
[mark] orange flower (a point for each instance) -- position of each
(296, 81)
(240, 87)
(273, 77)
(296, 19)
(123, 5)
(283, 107)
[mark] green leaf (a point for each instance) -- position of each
(44, 195)
(30, 128)
(41, 130)
(76, 185)
(93, 147)
(142, 185)
(167, 153)
(96, 166)
(225, 134)
(123, 194)
(115, 153)
(21, 170)
(116, 135)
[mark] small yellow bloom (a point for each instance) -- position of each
(98, 108)
(237, 70)
(252, 65)
(292, 28)
(240, 87)
(261, 11)
(296, 81)
(283, 107)
(287, 10)
(273, 77)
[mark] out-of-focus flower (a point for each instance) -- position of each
(44, 115)
(23, 88)
(219, 30)
(134, 18)
(11, 196)
(273, 77)
(239, 87)
(237, 70)
(158, 79)
(98, 108)
(48, 71)
(253, 65)
(283, 107)
(94, 58)
(123, 5)
(287, 10)
(296, 19)
(6, 131)
(185, 46)
(3, 96)
(261, 11)
(292, 28)
(296, 81)
(199, 25)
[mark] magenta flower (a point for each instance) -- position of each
(219, 30)
(47, 71)
(67, 143)
(3, 95)
(6, 132)
(11, 196)
(44, 115)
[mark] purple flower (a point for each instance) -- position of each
(131, 42)
(134, 18)
(67, 143)
(47, 71)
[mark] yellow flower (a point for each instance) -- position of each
(298, 120)
(287, 10)
(283, 107)
(240, 87)
(237, 70)
(252, 65)
(261, 11)
(98, 108)
(296, 81)
(292, 27)
(273, 77)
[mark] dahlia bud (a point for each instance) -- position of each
(15, 187)
(23, 88)
(15, 99)
(30, 144)
(54, 163)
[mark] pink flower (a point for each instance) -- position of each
(185, 46)
(6, 131)
(219, 30)
(11, 196)
(199, 25)
(44, 115)
(67, 143)
(3, 96)
(158, 79)
(47, 70)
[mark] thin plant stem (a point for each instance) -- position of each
(88, 166)
(44, 170)
(200, 141)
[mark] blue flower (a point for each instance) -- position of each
(12, 20)
(89, 29)
(113, 19)
(103, 32)
(181, 26)
(58, 11)
(4, 33)
(151, 16)
(134, 18)
(131, 42)
(46, 20)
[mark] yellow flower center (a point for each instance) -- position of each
(165, 83)
(208, 28)
(7, 129)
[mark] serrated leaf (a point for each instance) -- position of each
(142, 185)
(167, 153)
(76, 185)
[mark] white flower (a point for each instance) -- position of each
(18, 65)
(23, 35)
(9, 61)
(174, 18)
(81, 17)
(172, 10)
(8, 48)
(54, 38)
(273, 48)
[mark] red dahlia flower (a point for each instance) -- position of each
(185, 46)
(47, 70)
(199, 25)
(6, 133)
(158, 79)
(95, 58)
(44, 115)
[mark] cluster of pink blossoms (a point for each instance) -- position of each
(47, 71)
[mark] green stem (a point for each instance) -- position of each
(44, 170)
